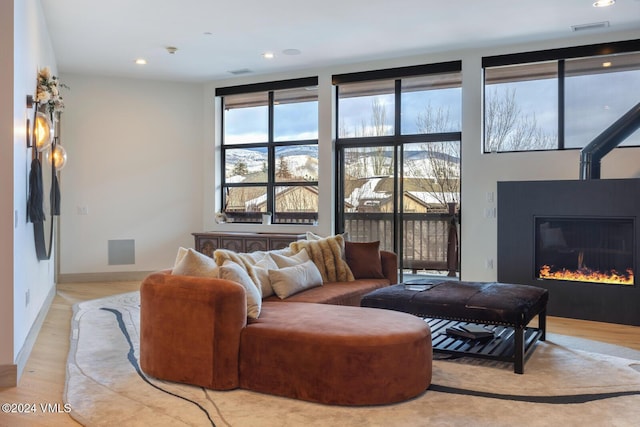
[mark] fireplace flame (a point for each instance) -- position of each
(587, 275)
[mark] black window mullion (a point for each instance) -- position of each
(223, 178)
(271, 160)
(398, 107)
(561, 103)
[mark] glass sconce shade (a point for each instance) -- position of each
(57, 157)
(42, 132)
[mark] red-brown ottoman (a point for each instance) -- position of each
(336, 354)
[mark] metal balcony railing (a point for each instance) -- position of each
(429, 241)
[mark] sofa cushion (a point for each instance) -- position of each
(291, 280)
(328, 255)
(364, 259)
(336, 293)
(234, 272)
(190, 262)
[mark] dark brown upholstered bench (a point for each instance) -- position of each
(475, 302)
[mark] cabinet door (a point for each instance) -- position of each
(232, 243)
(280, 242)
(207, 245)
(252, 244)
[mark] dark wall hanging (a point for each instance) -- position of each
(47, 159)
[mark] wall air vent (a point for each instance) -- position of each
(591, 26)
(240, 71)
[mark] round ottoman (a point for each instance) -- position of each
(335, 354)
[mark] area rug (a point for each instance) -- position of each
(561, 385)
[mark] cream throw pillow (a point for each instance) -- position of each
(291, 280)
(234, 272)
(190, 262)
(261, 272)
(289, 261)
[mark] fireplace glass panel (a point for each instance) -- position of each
(599, 250)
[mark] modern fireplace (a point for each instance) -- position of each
(578, 239)
(585, 249)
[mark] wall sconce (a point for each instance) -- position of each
(57, 156)
(41, 135)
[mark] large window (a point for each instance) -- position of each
(398, 150)
(270, 151)
(558, 99)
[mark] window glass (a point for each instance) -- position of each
(271, 136)
(296, 163)
(245, 199)
(431, 104)
(521, 107)
(295, 114)
(245, 164)
(366, 109)
(246, 118)
(431, 176)
(597, 93)
(368, 179)
(301, 201)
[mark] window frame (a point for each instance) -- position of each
(270, 144)
(395, 141)
(559, 55)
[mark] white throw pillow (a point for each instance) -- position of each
(232, 271)
(190, 262)
(291, 280)
(261, 273)
(181, 253)
(289, 261)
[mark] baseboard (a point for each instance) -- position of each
(29, 342)
(8, 375)
(117, 276)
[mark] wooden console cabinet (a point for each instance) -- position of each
(207, 242)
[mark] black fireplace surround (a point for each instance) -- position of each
(538, 220)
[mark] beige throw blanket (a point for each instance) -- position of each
(327, 255)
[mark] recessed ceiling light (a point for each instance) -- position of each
(268, 55)
(141, 61)
(606, 64)
(604, 3)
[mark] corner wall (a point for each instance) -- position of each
(26, 285)
(7, 369)
(134, 173)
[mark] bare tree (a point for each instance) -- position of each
(507, 128)
(439, 172)
(297, 199)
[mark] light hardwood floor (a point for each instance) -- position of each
(44, 376)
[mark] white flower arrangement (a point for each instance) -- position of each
(48, 91)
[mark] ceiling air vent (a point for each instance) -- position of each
(591, 26)
(240, 71)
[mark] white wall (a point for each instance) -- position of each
(135, 163)
(6, 187)
(26, 44)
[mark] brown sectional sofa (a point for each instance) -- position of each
(195, 330)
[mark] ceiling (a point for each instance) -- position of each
(215, 37)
